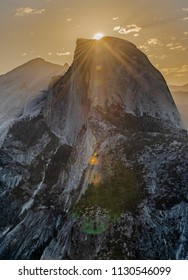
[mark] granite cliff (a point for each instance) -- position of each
(101, 171)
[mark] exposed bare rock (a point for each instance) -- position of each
(22, 90)
(102, 171)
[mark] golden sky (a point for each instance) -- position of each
(49, 29)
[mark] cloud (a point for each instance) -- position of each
(176, 70)
(24, 54)
(163, 56)
(115, 18)
(151, 43)
(69, 19)
(185, 9)
(169, 70)
(24, 11)
(144, 47)
(50, 53)
(185, 33)
(176, 46)
(61, 54)
(178, 75)
(183, 69)
(116, 28)
(127, 29)
(154, 42)
(185, 18)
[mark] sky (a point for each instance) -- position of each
(49, 29)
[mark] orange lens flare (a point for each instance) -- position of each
(93, 160)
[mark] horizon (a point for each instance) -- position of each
(49, 29)
(69, 64)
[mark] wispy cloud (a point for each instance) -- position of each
(158, 56)
(61, 54)
(69, 19)
(116, 28)
(183, 16)
(144, 47)
(176, 46)
(183, 69)
(115, 18)
(169, 70)
(176, 70)
(154, 42)
(150, 44)
(127, 29)
(24, 11)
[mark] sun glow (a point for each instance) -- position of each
(98, 36)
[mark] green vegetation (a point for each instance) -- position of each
(91, 226)
(115, 195)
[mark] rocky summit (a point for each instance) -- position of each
(101, 170)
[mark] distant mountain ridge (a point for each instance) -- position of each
(20, 88)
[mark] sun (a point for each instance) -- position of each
(98, 36)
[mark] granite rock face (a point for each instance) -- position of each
(23, 89)
(101, 171)
(106, 73)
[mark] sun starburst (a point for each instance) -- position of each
(98, 36)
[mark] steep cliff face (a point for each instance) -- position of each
(105, 73)
(102, 172)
